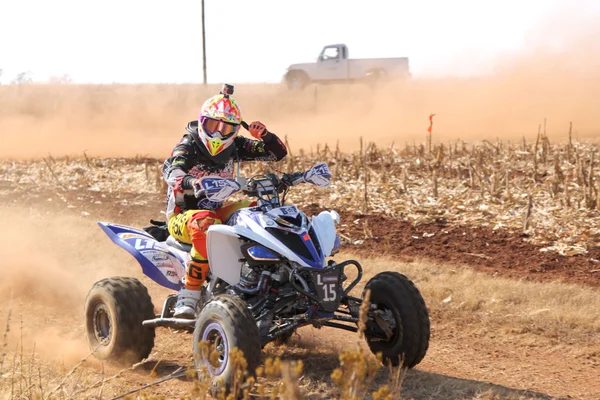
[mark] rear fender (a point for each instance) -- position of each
(158, 261)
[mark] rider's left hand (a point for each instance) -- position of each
(258, 129)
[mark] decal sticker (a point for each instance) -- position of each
(318, 175)
(165, 263)
(219, 189)
(129, 235)
(287, 211)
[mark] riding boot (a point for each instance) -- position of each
(187, 303)
(190, 295)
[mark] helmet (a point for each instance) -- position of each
(219, 123)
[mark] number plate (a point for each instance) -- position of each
(327, 288)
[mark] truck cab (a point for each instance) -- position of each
(333, 65)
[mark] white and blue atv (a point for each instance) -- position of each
(269, 275)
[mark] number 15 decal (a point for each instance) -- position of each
(329, 289)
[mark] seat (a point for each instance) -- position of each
(171, 241)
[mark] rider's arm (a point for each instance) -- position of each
(270, 148)
(175, 167)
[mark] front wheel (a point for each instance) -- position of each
(296, 80)
(114, 311)
(398, 324)
(225, 323)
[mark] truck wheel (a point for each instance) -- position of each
(296, 80)
(398, 302)
(114, 311)
(376, 78)
(225, 323)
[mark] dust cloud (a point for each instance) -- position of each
(48, 264)
(555, 80)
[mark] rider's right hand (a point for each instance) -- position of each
(198, 191)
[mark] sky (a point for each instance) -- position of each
(255, 41)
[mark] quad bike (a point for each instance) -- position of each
(269, 276)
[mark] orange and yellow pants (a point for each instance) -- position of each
(190, 227)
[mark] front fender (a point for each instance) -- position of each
(324, 226)
(224, 254)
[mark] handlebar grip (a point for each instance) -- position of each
(198, 191)
(293, 179)
(247, 127)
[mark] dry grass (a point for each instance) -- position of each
(549, 314)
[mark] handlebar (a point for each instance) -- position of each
(251, 186)
(286, 181)
(218, 189)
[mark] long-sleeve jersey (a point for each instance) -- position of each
(188, 159)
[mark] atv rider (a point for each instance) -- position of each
(209, 148)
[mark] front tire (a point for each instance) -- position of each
(114, 311)
(398, 301)
(225, 323)
(296, 80)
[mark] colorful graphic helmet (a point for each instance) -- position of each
(219, 123)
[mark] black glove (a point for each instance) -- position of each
(188, 182)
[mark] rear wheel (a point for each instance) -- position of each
(376, 78)
(225, 323)
(114, 311)
(398, 325)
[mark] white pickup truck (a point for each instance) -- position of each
(334, 66)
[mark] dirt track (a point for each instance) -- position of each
(496, 252)
(462, 361)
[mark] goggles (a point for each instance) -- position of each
(215, 128)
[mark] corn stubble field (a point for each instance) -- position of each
(493, 336)
(548, 192)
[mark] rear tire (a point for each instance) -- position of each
(376, 78)
(397, 296)
(226, 322)
(114, 311)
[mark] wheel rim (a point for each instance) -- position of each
(295, 81)
(217, 340)
(102, 324)
(388, 315)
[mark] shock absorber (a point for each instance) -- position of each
(265, 319)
